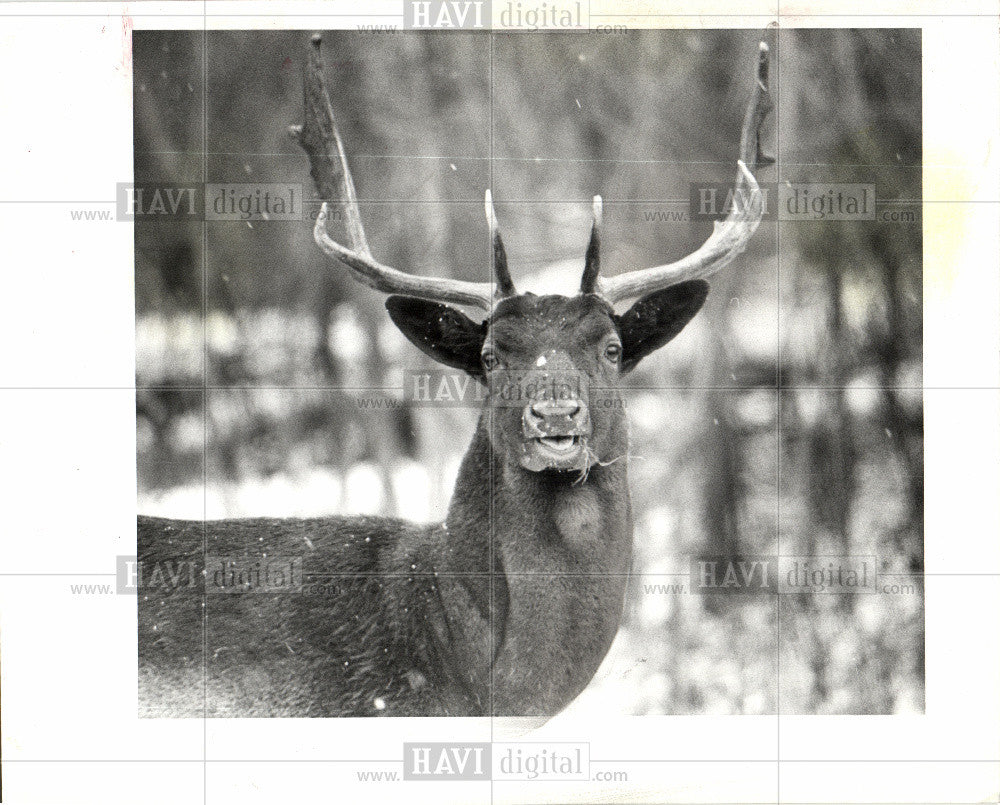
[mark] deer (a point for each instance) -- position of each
(508, 606)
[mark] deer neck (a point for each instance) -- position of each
(560, 550)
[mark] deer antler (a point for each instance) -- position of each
(730, 236)
(328, 160)
(592, 266)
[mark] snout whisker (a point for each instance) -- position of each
(585, 469)
(593, 458)
(609, 462)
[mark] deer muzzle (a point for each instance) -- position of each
(555, 425)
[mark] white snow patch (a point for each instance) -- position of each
(364, 493)
(412, 486)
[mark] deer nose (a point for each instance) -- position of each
(546, 409)
(556, 417)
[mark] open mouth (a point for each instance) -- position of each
(565, 452)
(559, 444)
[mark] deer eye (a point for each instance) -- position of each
(490, 360)
(613, 352)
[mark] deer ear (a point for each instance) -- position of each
(656, 318)
(447, 335)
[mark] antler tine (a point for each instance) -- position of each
(592, 265)
(730, 236)
(505, 285)
(328, 160)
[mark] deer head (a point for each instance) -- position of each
(551, 363)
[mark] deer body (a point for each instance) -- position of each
(412, 632)
(509, 606)
(295, 654)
